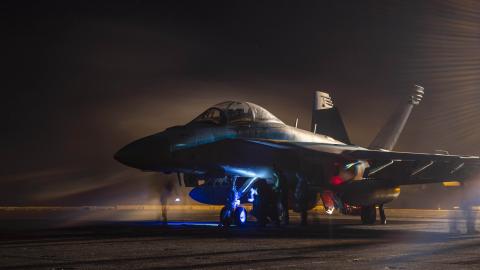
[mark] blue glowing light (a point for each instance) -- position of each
(239, 171)
(155, 223)
(253, 192)
(191, 223)
(243, 216)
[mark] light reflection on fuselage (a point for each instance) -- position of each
(154, 153)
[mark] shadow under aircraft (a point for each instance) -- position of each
(236, 153)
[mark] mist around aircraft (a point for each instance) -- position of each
(237, 153)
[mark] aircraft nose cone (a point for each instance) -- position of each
(146, 154)
(124, 155)
(129, 155)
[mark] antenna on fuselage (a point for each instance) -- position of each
(296, 123)
(315, 128)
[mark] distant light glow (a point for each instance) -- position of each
(448, 60)
(451, 184)
(329, 211)
(177, 199)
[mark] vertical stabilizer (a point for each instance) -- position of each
(326, 118)
(388, 136)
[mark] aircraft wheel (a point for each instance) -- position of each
(225, 218)
(240, 216)
(368, 214)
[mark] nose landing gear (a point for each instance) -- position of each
(236, 217)
(240, 216)
(232, 212)
(225, 217)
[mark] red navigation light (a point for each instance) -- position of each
(336, 180)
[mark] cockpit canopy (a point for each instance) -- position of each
(234, 112)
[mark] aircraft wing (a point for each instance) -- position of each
(417, 168)
(398, 168)
(403, 168)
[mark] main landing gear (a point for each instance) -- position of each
(383, 218)
(369, 214)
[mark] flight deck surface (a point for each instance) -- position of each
(132, 239)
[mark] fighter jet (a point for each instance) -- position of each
(236, 153)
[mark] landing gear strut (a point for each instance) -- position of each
(368, 214)
(383, 218)
(232, 212)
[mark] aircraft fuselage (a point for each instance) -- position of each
(156, 152)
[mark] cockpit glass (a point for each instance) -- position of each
(212, 115)
(262, 115)
(235, 112)
(238, 112)
(223, 106)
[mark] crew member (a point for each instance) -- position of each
(301, 199)
(165, 193)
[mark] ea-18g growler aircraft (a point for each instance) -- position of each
(237, 152)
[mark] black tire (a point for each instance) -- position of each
(368, 215)
(240, 216)
(225, 219)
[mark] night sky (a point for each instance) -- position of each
(82, 79)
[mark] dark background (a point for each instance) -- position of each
(81, 79)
